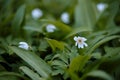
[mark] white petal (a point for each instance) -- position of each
(65, 17)
(79, 37)
(80, 46)
(84, 39)
(101, 6)
(37, 13)
(23, 45)
(85, 44)
(75, 38)
(76, 44)
(50, 28)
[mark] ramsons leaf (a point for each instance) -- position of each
(18, 19)
(33, 60)
(31, 73)
(79, 62)
(55, 44)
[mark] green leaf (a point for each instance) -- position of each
(113, 30)
(2, 59)
(59, 63)
(93, 65)
(73, 76)
(30, 73)
(33, 60)
(93, 41)
(85, 13)
(62, 56)
(78, 63)
(100, 74)
(33, 26)
(114, 62)
(73, 53)
(55, 44)
(100, 42)
(78, 30)
(97, 55)
(59, 25)
(111, 51)
(18, 19)
(97, 34)
(56, 72)
(106, 20)
(11, 76)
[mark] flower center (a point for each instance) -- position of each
(79, 41)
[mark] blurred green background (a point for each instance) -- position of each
(52, 55)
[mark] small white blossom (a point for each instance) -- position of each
(37, 13)
(80, 42)
(23, 45)
(101, 7)
(65, 17)
(50, 28)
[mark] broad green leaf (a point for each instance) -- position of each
(102, 41)
(112, 10)
(59, 25)
(57, 6)
(85, 13)
(33, 26)
(112, 51)
(31, 73)
(73, 76)
(33, 60)
(97, 34)
(78, 63)
(93, 41)
(78, 30)
(114, 62)
(100, 74)
(18, 19)
(93, 65)
(111, 58)
(107, 20)
(43, 45)
(12, 75)
(97, 55)
(114, 30)
(55, 44)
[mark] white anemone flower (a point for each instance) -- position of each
(37, 13)
(50, 28)
(23, 45)
(65, 17)
(80, 42)
(101, 7)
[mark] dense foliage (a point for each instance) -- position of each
(51, 54)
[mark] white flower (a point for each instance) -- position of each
(23, 45)
(65, 17)
(50, 28)
(37, 13)
(80, 42)
(101, 6)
